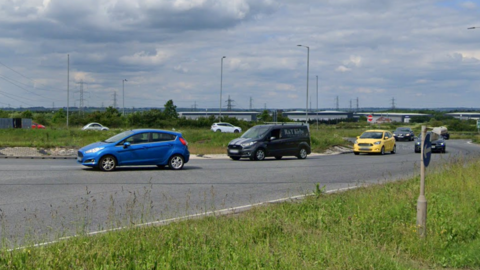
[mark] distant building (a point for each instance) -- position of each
(320, 115)
(465, 115)
(15, 123)
(379, 118)
(246, 116)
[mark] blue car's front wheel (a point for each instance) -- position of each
(107, 163)
(176, 162)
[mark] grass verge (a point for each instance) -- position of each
(372, 227)
(201, 141)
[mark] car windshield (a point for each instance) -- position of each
(119, 136)
(256, 132)
(402, 130)
(372, 135)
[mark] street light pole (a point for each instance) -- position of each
(123, 90)
(221, 82)
(68, 86)
(308, 67)
(317, 102)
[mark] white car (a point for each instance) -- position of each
(94, 126)
(225, 127)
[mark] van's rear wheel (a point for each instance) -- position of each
(302, 153)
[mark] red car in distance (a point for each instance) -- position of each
(37, 126)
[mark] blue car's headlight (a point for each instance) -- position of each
(94, 150)
(248, 144)
(417, 143)
(377, 143)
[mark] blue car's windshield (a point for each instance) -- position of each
(372, 135)
(119, 136)
(256, 132)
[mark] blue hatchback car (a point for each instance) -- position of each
(137, 147)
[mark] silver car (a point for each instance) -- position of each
(225, 127)
(94, 126)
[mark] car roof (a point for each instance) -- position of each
(280, 126)
(376, 130)
(155, 130)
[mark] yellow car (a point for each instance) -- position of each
(375, 141)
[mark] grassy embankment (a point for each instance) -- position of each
(367, 228)
(201, 141)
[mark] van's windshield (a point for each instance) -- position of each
(256, 132)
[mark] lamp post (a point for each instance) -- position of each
(123, 90)
(308, 66)
(317, 102)
(221, 82)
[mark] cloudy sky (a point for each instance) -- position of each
(410, 53)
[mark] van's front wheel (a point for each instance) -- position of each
(258, 155)
(302, 153)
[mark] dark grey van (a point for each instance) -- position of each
(271, 141)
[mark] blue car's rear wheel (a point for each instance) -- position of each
(176, 162)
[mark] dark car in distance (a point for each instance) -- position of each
(275, 140)
(404, 134)
(437, 141)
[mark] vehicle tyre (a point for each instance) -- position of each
(302, 153)
(259, 154)
(356, 153)
(444, 150)
(236, 131)
(176, 162)
(382, 152)
(418, 152)
(278, 157)
(107, 163)
(235, 158)
(218, 130)
(394, 150)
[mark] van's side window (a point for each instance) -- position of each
(275, 133)
(294, 132)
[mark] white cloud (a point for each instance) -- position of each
(144, 58)
(342, 69)
(384, 48)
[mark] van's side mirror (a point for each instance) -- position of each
(126, 145)
(273, 138)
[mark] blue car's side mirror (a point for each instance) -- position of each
(126, 145)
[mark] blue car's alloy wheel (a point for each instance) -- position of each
(176, 162)
(107, 163)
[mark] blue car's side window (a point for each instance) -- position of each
(138, 138)
(162, 137)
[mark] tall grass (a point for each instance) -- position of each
(201, 141)
(372, 227)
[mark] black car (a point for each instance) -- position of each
(404, 134)
(437, 141)
(271, 141)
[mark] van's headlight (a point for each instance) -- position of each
(377, 143)
(248, 144)
(94, 150)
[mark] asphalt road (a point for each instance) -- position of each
(43, 199)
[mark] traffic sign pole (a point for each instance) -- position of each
(422, 201)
